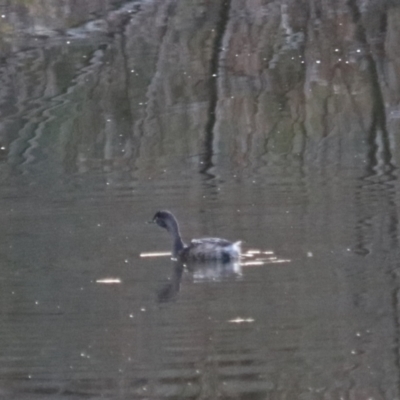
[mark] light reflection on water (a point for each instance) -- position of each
(295, 158)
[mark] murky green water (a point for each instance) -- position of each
(271, 122)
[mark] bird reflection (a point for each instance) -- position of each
(212, 271)
(170, 290)
(215, 271)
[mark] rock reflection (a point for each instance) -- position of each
(256, 89)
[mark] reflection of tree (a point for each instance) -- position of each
(279, 84)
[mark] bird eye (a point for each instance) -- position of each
(161, 222)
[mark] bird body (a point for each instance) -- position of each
(202, 250)
(208, 249)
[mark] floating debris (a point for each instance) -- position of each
(253, 251)
(280, 261)
(239, 320)
(109, 281)
(258, 258)
(248, 263)
(156, 254)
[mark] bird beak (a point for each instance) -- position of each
(151, 221)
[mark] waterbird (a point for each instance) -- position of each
(202, 250)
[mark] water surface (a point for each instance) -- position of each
(269, 122)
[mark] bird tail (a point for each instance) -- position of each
(237, 246)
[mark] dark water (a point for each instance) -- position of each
(271, 122)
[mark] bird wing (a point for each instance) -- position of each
(210, 242)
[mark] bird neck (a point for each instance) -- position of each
(178, 245)
(173, 229)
